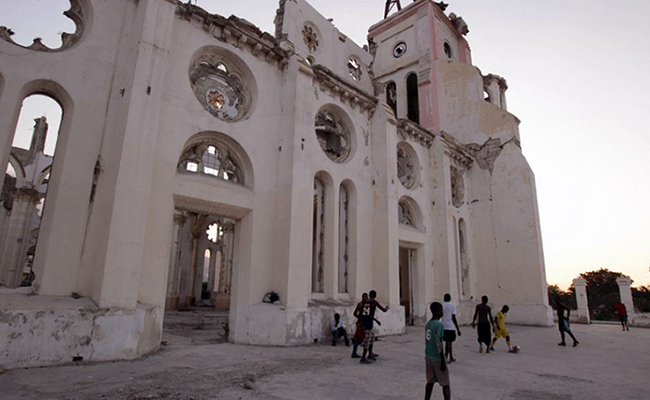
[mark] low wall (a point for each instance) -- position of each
(43, 330)
(275, 325)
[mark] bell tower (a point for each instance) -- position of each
(389, 6)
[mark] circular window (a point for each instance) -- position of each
(407, 166)
(220, 87)
(333, 136)
(399, 50)
(448, 51)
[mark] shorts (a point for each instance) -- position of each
(501, 333)
(369, 337)
(449, 336)
(434, 374)
(624, 318)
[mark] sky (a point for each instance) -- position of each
(577, 78)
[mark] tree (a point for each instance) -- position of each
(602, 293)
(641, 297)
(568, 297)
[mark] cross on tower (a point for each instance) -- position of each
(389, 6)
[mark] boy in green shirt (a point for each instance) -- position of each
(435, 361)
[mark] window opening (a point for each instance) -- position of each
(354, 67)
(212, 158)
(391, 96)
(318, 236)
(457, 188)
(405, 168)
(333, 136)
(344, 239)
(310, 38)
(464, 259)
(23, 200)
(220, 88)
(399, 49)
(405, 214)
(413, 100)
(46, 21)
(448, 51)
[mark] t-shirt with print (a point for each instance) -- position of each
(433, 333)
(448, 309)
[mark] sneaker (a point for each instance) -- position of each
(575, 344)
(374, 355)
(364, 361)
(355, 355)
(561, 344)
(451, 360)
(491, 348)
(372, 358)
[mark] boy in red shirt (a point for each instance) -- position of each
(622, 314)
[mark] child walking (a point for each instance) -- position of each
(436, 365)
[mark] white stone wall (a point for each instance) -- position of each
(130, 109)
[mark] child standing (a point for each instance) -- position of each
(436, 365)
(500, 329)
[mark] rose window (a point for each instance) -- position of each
(220, 88)
(333, 136)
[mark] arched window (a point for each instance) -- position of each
(24, 192)
(464, 259)
(344, 238)
(318, 236)
(211, 157)
(391, 96)
(413, 100)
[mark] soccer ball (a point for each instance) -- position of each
(516, 348)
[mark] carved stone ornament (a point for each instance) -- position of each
(405, 168)
(310, 38)
(333, 136)
(220, 88)
(405, 214)
(76, 13)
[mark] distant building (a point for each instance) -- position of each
(203, 162)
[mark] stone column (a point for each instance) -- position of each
(581, 300)
(624, 283)
(18, 236)
(173, 279)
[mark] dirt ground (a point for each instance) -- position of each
(195, 364)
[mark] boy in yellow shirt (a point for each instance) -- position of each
(500, 329)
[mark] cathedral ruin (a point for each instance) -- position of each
(203, 162)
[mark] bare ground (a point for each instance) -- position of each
(197, 365)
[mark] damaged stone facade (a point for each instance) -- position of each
(203, 162)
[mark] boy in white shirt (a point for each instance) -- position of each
(450, 326)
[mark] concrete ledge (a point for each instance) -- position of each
(275, 325)
(45, 330)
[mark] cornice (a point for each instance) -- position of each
(348, 93)
(237, 32)
(456, 150)
(416, 132)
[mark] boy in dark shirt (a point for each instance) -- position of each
(367, 314)
(435, 360)
(484, 314)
